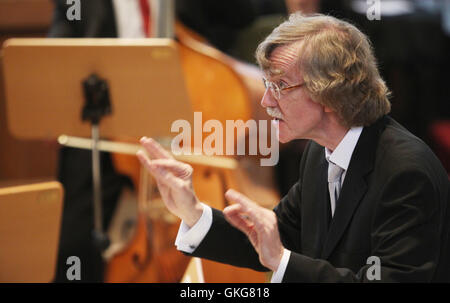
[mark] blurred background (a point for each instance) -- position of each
(411, 42)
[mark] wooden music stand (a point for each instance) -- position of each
(128, 87)
(44, 94)
(30, 217)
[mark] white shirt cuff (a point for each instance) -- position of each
(278, 275)
(188, 239)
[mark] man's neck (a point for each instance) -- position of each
(331, 133)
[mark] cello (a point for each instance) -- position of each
(151, 256)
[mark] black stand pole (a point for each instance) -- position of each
(97, 105)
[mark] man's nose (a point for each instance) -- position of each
(268, 100)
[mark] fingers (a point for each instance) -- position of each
(179, 169)
(235, 217)
(163, 175)
(261, 218)
(233, 214)
(236, 196)
(261, 227)
(154, 149)
(248, 206)
(143, 158)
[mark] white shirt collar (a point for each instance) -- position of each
(342, 154)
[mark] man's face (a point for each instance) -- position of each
(300, 117)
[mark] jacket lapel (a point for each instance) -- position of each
(355, 185)
(323, 205)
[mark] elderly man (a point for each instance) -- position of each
(368, 189)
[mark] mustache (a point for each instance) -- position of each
(274, 112)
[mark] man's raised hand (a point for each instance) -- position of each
(259, 224)
(174, 180)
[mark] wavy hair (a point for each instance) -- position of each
(337, 64)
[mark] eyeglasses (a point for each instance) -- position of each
(276, 90)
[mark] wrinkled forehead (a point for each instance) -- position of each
(284, 58)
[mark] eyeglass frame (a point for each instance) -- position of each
(276, 90)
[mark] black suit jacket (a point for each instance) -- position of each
(394, 204)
